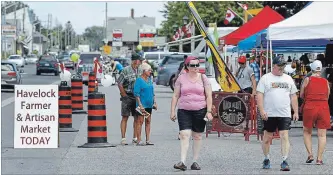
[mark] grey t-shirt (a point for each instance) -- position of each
(244, 77)
(277, 91)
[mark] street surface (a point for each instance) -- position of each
(229, 154)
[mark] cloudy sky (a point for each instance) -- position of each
(85, 14)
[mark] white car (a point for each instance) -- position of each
(16, 59)
(31, 59)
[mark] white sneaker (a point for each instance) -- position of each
(123, 141)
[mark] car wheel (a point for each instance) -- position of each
(38, 72)
(171, 83)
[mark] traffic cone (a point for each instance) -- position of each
(65, 109)
(77, 96)
(97, 128)
(91, 84)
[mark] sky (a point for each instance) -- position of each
(86, 14)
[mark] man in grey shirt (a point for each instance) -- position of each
(245, 77)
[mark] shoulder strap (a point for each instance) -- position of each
(203, 83)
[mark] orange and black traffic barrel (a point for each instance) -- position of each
(77, 94)
(65, 109)
(97, 128)
(91, 83)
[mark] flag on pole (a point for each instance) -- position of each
(223, 75)
(244, 6)
(229, 16)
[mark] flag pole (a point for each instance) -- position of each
(236, 14)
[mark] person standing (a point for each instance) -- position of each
(126, 82)
(275, 92)
(315, 91)
(145, 100)
(245, 77)
(194, 93)
(256, 69)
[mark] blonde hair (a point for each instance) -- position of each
(145, 66)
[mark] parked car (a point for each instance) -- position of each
(87, 64)
(168, 69)
(156, 58)
(16, 59)
(10, 75)
(31, 59)
(67, 61)
(47, 64)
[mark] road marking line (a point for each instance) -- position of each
(10, 100)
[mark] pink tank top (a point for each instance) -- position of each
(192, 94)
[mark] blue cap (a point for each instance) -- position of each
(279, 61)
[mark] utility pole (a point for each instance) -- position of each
(106, 21)
(51, 33)
(15, 40)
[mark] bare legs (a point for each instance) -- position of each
(285, 145)
(147, 127)
(123, 126)
(307, 133)
(185, 142)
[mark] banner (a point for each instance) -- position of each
(223, 75)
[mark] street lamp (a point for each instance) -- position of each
(174, 27)
(185, 20)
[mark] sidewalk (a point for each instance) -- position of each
(224, 155)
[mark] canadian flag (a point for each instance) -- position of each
(244, 6)
(79, 61)
(229, 16)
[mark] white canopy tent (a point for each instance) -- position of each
(313, 22)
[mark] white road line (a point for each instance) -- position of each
(10, 100)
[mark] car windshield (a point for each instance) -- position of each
(31, 56)
(7, 67)
(173, 59)
(89, 58)
(14, 57)
(47, 58)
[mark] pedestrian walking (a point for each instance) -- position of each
(126, 82)
(245, 77)
(145, 100)
(315, 92)
(194, 96)
(275, 92)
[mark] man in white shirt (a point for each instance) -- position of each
(275, 92)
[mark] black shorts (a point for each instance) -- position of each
(128, 105)
(149, 110)
(192, 120)
(280, 123)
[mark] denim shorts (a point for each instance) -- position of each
(192, 120)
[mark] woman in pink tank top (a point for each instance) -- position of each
(193, 93)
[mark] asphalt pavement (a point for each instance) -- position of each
(229, 154)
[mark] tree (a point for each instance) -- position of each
(95, 36)
(210, 12)
(286, 8)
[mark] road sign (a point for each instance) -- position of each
(8, 30)
(107, 49)
(36, 116)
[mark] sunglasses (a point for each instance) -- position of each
(194, 65)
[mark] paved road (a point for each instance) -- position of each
(225, 155)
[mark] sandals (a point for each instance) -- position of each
(140, 144)
(149, 143)
(310, 159)
(319, 162)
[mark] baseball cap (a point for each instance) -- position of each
(136, 56)
(242, 59)
(189, 58)
(279, 61)
(316, 65)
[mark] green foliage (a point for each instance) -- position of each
(209, 11)
(286, 8)
(95, 35)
